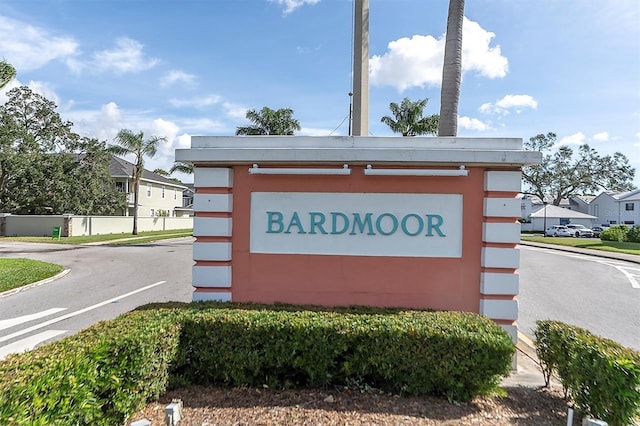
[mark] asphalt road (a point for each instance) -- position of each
(103, 282)
(600, 295)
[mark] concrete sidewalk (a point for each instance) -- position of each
(528, 372)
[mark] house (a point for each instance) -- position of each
(581, 203)
(532, 203)
(187, 201)
(553, 215)
(157, 195)
(613, 208)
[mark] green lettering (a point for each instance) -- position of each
(433, 223)
(295, 221)
(317, 220)
(274, 218)
(357, 221)
(394, 222)
(334, 223)
(420, 224)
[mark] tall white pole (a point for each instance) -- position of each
(361, 69)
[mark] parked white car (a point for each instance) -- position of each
(557, 231)
(579, 230)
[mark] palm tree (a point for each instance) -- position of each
(181, 167)
(129, 143)
(451, 71)
(270, 122)
(409, 120)
(7, 73)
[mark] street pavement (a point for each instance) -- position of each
(527, 372)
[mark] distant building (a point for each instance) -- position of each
(157, 195)
(613, 208)
(607, 208)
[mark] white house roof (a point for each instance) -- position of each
(630, 196)
(559, 212)
(585, 198)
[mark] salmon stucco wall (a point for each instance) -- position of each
(359, 280)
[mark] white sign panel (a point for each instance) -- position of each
(357, 224)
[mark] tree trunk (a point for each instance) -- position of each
(136, 190)
(451, 71)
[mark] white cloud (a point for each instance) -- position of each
(575, 139)
(184, 141)
(291, 5)
(202, 126)
(473, 124)
(39, 87)
(176, 76)
(509, 103)
(43, 89)
(478, 56)
(196, 102)
(235, 111)
(417, 61)
(168, 130)
(27, 47)
(313, 131)
(126, 57)
(601, 137)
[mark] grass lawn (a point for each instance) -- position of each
(593, 243)
(142, 237)
(18, 272)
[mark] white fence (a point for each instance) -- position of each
(72, 226)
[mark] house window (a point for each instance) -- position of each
(152, 212)
(629, 207)
(148, 190)
(629, 222)
(120, 186)
(175, 194)
(595, 210)
(163, 192)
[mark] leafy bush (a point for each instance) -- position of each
(103, 374)
(615, 233)
(452, 354)
(633, 236)
(99, 376)
(601, 376)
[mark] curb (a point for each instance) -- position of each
(107, 242)
(591, 252)
(32, 285)
(527, 347)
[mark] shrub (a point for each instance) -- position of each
(633, 236)
(99, 376)
(601, 376)
(614, 233)
(103, 374)
(452, 354)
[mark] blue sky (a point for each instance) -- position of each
(193, 67)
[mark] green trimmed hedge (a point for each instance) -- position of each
(99, 376)
(103, 374)
(451, 354)
(601, 376)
